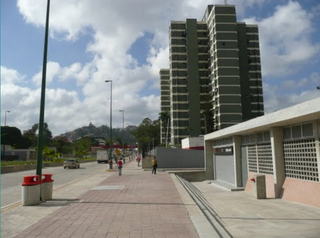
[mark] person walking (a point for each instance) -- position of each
(154, 165)
(120, 162)
(138, 160)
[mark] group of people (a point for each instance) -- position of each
(154, 163)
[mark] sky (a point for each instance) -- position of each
(91, 41)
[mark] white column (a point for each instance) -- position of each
(208, 160)
(316, 138)
(277, 159)
(237, 161)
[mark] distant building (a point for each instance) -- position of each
(12, 154)
(215, 73)
(100, 140)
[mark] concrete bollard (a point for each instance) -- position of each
(259, 188)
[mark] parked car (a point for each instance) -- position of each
(71, 163)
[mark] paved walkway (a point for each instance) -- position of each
(245, 216)
(136, 204)
(140, 204)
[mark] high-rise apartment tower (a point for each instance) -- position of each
(165, 106)
(215, 73)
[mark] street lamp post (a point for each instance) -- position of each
(5, 117)
(5, 124)
(124, 160)
(110, 142)
(43, 93)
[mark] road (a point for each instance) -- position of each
(11, 182)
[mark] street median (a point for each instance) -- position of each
(25, 167)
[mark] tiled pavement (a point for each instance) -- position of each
(139, 204)
(136, 204)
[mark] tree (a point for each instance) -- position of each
(49, 154)
(208, 120)
(63, 145)
(164, 117)
(82, 146)
(146, 133)
(12, 136)
(32, 135)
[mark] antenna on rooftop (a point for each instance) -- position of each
(226, 2)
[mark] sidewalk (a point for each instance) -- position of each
(245, 216)
(140, 204)
(136, 204)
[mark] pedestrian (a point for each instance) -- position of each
(154, 165)
(138, 160)
(120, 162)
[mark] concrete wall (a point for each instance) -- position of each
(307, 192)
(179, 158)
(191, 176)
(146, 162)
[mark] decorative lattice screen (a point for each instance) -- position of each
(260, 159)
(301, 159)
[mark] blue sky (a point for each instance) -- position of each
(127, 42)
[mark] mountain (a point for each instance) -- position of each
(102, 132)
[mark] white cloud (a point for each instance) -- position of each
(293, 84)
(53, 69)
(285, 94)
(285, 39)
(62, 107)
(9, 76)
(115, 26)
(315, 78)
(55, 72)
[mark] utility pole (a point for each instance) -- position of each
(124, 160)
(110, 142)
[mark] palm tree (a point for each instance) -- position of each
(164, 117)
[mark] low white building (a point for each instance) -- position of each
(283, 145)
(193, 143)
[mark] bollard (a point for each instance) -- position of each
(31, 190)
(46, 187)
(259, 188)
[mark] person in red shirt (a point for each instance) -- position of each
(138, 160)
(120, 162)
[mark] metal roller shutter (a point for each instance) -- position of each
(225, 168)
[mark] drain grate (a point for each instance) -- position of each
(109, 187)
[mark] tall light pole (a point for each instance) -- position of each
(43, 94)
(123, 134)
(110, 142)
(5, 124)
(5, 117)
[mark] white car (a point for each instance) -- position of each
(71, 163)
